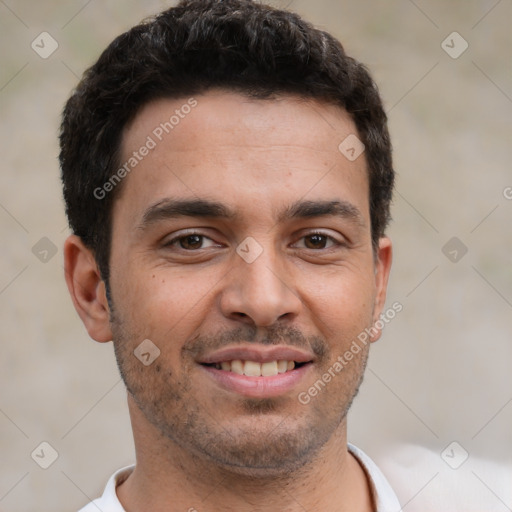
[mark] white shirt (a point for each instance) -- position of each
(384, 497)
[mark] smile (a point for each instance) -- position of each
(255, 369)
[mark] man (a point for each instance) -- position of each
(227, 175)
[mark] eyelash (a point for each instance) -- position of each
(175, 240)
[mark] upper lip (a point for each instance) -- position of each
(261, 354)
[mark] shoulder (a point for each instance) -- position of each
(109, 501)
(384, 496)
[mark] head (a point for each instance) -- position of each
(212, 210)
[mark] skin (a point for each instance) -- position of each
(198, 444)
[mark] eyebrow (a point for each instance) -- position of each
(174, 208)
(308, 209)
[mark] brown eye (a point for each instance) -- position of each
(316, 241)
(191, 242)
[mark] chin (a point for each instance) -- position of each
(266, 448)
(260, 466)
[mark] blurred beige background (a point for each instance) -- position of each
(440, 374)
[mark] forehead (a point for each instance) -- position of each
(229, 147)
(218, 114)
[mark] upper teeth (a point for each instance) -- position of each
(254, 369)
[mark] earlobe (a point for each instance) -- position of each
(382, 270)
(87, 289)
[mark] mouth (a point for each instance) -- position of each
(258, 372)
(255, 369)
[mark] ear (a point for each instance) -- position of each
(384, 257)
(87, 289)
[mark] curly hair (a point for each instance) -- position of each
(238, 45)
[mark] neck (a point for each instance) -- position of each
(169, 478)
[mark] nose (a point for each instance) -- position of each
(260, 293)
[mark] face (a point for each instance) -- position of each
(241, 249)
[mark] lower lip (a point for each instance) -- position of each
(258, 387)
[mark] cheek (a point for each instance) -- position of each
(341, 297)
(158, 303)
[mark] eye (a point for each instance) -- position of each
(190, 242)
(319, 241)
